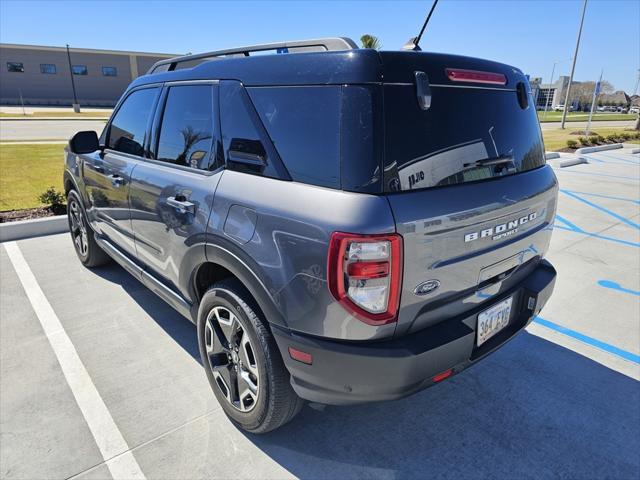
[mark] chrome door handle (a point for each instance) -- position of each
(182, 206)
(116, 180)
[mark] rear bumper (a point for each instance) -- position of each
(346, 373)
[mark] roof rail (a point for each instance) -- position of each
(335, 43)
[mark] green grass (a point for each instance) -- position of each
(557, 139)
(584, 116)
(34, 115)
(26, 171)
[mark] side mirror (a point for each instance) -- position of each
(84, 142)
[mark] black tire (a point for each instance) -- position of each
(276, 402)
(84, 243)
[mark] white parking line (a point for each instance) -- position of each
(113, 447)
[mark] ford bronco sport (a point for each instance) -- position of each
(343, 225)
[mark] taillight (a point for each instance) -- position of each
(475, 76)
(364, 273)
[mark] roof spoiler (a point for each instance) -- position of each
(329, 44)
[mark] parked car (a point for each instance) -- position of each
(634, 110)
(560, 108)
(342, 226)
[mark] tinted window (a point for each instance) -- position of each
(246, 145)
(109, 71)
(49, 68)
(126, 133)
(79, 69)
(304, 124)
(187, 130)
(466, 135)
(15, 67)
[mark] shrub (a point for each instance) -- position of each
(584, 141)
(601, 139)
(611, 138)
(572, 144)
(53, 199)
(593, 139)
(626, 135)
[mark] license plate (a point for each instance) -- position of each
(492, 320)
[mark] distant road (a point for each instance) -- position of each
(64, 129)
(594, 125)
(46, 129)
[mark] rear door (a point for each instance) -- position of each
(171, 193)
(466, 180)
(107, 173)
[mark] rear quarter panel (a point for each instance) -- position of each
(291, 225)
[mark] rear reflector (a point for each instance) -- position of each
(300, 356)
(441, 376)
(475, 76)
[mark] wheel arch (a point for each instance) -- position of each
(226, 262)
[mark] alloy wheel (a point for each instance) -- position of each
(232, 359)
(78, 228)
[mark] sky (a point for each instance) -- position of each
(529, 34)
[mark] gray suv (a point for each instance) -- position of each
(343, 225)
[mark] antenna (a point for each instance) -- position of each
(412, 44)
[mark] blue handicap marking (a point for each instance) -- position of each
(569, 225)
(616, 286)
(623, 219)
(594, 342)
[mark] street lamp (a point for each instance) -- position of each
(553, 70)
(573, 67)
(76, 105)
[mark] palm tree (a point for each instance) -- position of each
(370, 41)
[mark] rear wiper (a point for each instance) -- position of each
(490, 161)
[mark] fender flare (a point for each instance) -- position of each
(237, 262)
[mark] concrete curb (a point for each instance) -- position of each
(33, 228)
(573, 161)
(635, 150)
(551, 155)
(600, 148)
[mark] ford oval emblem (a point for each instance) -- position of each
(426, 287)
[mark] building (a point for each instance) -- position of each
(39, 75)
(550, 94)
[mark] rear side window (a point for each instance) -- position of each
(246, 144)
(187, 130)
(467, 134)
(304, 124)
(127, 130)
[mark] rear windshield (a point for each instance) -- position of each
(467, 134)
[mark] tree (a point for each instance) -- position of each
(370, 41)
(583, 91)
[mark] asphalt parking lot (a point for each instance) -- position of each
(560, 400)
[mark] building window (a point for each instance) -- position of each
(109, 71)
(15, 67)
(79, 69)
(48, 68)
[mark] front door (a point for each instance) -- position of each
(107, 173)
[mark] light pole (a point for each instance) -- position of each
(553, 70)
(573, 67)
(76, 105)
(596, 92)
(546, 103)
